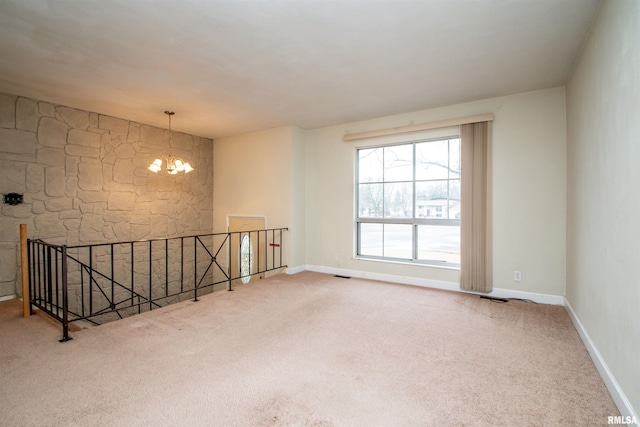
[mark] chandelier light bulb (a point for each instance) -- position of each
(156, 166)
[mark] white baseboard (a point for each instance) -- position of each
(531, 296)
(294, 270)
(617, 394)
(438, 284)
(8, 297)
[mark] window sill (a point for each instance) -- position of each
(417, 264)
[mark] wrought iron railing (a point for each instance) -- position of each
(109, 281)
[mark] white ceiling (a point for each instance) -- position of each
(232, 66)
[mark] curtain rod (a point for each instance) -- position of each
(416, 128)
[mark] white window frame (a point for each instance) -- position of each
(414, 221)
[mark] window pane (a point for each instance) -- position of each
(432, 160)
(432, 199)
(370, 165)
(398, 163)
(398, 200)
(398, 241)
(439, 243)
(371, 239)
(454, 158)
(454, 199)
(370, 201)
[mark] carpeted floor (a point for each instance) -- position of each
(306, 350)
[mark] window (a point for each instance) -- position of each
(408, 202)
(246, 258)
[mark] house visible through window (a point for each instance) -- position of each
(408, 202)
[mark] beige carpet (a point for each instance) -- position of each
(306, 350)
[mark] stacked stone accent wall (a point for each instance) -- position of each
(85, 180)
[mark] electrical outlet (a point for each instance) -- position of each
(517, 276)
(336, 257)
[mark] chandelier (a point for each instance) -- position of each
(173, 164)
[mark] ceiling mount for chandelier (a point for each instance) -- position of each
(173, 164)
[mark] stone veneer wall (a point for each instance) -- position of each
(85, 180)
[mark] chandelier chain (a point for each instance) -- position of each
(170, 113)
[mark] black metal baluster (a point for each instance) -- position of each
(82, 286)
(229, 235)
(195, 269)
(34, 261)
(49, 280)
(36, 273)
(280, 263)
(39, 251)
(57, 284)
(150, 276)
(113, 304)
(90, 280)
(251, 265)
(30, 277)
(258, 248)
(132, 273)
(65, 298)
(181, 264)
(266, 250)
(43, 279)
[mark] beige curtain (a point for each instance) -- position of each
(475, 218)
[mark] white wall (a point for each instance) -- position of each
(603, 182)
(529, 133)
(260, 173)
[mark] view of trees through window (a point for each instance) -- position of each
(409, 201)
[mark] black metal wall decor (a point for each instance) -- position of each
(12, 199)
